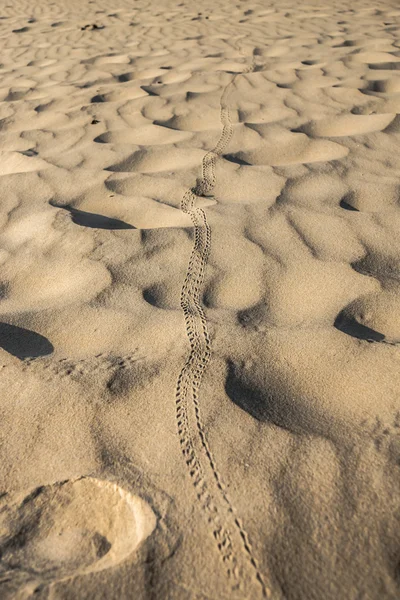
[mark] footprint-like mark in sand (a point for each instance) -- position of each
(199, 460)
(71, 528)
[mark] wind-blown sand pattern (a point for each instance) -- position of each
(199, 300)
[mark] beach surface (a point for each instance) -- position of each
(199, 300)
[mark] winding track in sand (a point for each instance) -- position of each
(214, 503)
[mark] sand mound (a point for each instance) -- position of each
(374, 317)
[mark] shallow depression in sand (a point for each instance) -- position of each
(73, 528)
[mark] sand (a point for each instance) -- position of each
(199, 300)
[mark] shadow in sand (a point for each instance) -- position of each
(350, 326)
(98, 98)
(344, 204)
(267, 399)
(23, 343)
(244, 395)
(235, 159)
(86, 219)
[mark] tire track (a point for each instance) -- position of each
(212, 495)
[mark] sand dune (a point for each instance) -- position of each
(199, 300)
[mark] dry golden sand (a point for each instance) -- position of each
(199, 300)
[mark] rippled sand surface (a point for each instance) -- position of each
(199, 300)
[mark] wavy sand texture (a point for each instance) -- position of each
(199, 300)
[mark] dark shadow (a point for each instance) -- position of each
(149, 90)
(23, 343)
(254, 316)
(86, 219)
(92, 27)
(364, 268)
(247, 398)
(98, 98)
(350, 326)
(384, 66)
(4, 286)
(268, 403)
(258, 68)
(377, 267)
(13, 96)
(235, 159)
(373, 86)
(264, 406)
(100, 139)
(150, 295)
(30, 152)
(124, 77)
(347, 206)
